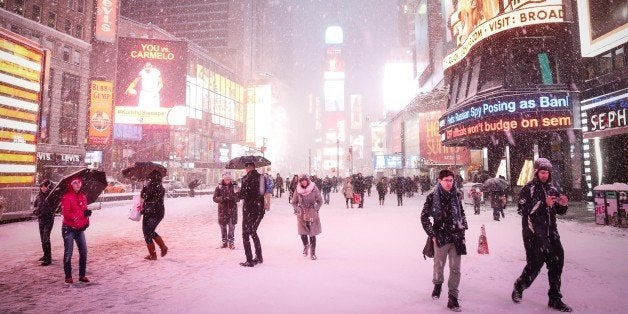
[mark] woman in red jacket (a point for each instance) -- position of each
(75, 221)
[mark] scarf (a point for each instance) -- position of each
(455, 205)
(304, 191)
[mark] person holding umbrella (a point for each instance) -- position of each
(252, 192)
(153, 211)
(75, 221)
(225, 196)
(307, 201)
(45, 213)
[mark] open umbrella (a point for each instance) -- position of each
(495, 184)
(141, 169)
(239, 162)
(94, 182)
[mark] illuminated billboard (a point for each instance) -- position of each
(106, 18)
(431, 149)
(356, 112)
(334, 92)
(333, 35)
(150, 82)
(100, 113)
(21, 78)
(603, 25)
(471, 23)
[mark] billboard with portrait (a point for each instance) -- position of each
(151, 82)
(474, 21)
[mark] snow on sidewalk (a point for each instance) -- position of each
(369, 261)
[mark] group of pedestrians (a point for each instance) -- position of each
(445, 223)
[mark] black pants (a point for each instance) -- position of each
(304, 239)
(45, 227)
(381, 195)
(539, 252)
(361, 200)
(399, 199)
(250, 223)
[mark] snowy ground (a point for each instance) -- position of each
(369, 262)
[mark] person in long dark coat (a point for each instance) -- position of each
(399, 189)
(539, 202)
(382, 187)
(444, 206)
(252, 192)
(45, 213)
(359, 186)
(292, 187)
(227, 199)
(153, 210)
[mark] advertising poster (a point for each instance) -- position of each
(474, 21)
(150, 82)
(100, 113)
(106, 20)
(430, 147)
(603, 25)
(21, 78)
(378, 133)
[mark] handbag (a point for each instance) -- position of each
(428, 250)
(357, 198)
(136, 208)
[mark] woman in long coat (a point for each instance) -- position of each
(225, 196)
(306, 201)
(153, 211)
(347, 191)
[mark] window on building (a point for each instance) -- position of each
(16, 29)
(70, 4)
(453, 89)
(80, 5)
(52, 20)
(68, 130)
(492, 70)
(605, 63)
(68, 27)
(66, 53)
(620, 58)
(18, 7)
(78, 32)
(36, 14)
(474, 78)
(464, 83)
(76, 57)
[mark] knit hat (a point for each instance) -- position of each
(542, 164)
(226, 175)
(47, 183)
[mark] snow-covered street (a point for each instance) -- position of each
(369, 261)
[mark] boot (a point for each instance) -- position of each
(162, 247)
(151, 252)
(224, 245)
(306, 249)
(313, 253)
(47, 259)
(453, 304)
(558, 304)
(436, 292)
(517, 294)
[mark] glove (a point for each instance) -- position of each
(87, 212)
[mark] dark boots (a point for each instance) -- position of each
(453, 304)
(517, 294)
(152, 255)
(558, 304)
(162, 247)
(47, 258)
(436, 291)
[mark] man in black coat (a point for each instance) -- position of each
(539, 202)
(359, 186)
(252, 192)
(444, 206)
(45, 213)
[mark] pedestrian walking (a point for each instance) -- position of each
(498, 204)
(75, 222)
(278, 186)
(327, 185)
(539, 202)
(381, 187)
(447, 230)
(359, 187)
(347, 191)
(292, 187)
(252, 192)
(45, 213)
(153, 211)
(476, 195)
(227, 199)
(399, 189)
(307, 201)
(192, 186)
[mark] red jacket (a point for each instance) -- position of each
(73, 206)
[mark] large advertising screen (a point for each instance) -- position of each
(472, 21)
(431, 150)
(150, 82)
(603, 25)
(21, 77)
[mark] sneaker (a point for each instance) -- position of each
(517, 294)
(69, 280)
(436, 292)
(83, 279)
(247, 264)
(453, 304)
(558, 304)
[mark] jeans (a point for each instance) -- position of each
(326, 197)
(69, 237)
(45, 227)
(440, 257)
(227, 231)
(149, 224)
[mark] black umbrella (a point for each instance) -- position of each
(142, 169)
(239, 162)
(94, 182)
(495, 184)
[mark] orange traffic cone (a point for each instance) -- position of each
(483, 243)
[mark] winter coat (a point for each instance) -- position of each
(381, 187)
(497, 201)
(153, 196)
(306, 203)
(73, 207)
(538, 219)
(252, 193)
(443, 227)
(227, 200)
(327, 186)
(43, 209)
(347, 190)
(279, 182)
(359, 186)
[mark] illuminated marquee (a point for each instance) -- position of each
(469, 26)
(21, 76)
(532, 112)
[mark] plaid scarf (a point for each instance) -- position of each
(439, 192)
